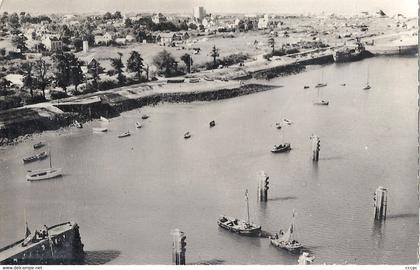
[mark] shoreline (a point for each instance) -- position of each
(19, 124)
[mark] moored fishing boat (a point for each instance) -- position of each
(322, 102)
(144, 116)
(138, 125)
(38, 145)
(286, 240)
(44, 174)
(278, 125)
(99, 129)
(281, 148)
(240, 226)
(36, 157)
(187, 135)
(125, 134)
(212, 123)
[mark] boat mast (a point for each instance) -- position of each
(50, 159)
(247, 205)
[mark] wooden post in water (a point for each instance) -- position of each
(178, 247)
(262, 186)
(380, 203)
(316, 146)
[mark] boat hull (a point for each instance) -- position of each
(253, 230)
(286, 148)
(292, 247)
(44, 174)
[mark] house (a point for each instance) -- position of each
(158, 18)
(52, 43)
(121, 41)
(130, 38)
(103, 39)
(167, 39)
(263, 22)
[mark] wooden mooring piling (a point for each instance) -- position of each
(178, 247)
(262, 179)
(380, 203)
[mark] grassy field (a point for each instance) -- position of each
(242, 42)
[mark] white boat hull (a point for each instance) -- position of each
(99, 130)
(44, 174)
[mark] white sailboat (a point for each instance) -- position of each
(103, 126)
(319, 100)
(286, 240)
(321, 83)
(43, 174)
(367, 87)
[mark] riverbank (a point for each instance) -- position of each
(16, 124)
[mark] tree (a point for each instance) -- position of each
(192, 26)
(135, 63)
(62, 69)
(41, 68)
(94, 69)
(76, 73)
(165, 62)
(19, 41)
(117, 15)
(28, 79)
(107, 16)
(128, 23)
(188, 61)
(4, 84)
(13, 21)
(214, 53)
(271, 43)
(118, 66)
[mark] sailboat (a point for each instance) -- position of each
(240, 226)
(286, 240)
(321, 83)
(43, 174)
(104, 125)
(320, 101)
(367, 87)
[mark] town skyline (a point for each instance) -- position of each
(406, 7)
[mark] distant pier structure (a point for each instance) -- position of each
(262, 179)
(316, 146)
(380, 203)
(178, 247)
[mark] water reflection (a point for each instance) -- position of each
(98, 257)
(378, 233)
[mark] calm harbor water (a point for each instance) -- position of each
(127, 194)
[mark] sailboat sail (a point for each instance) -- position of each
(288, 235)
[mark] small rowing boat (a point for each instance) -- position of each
(125, 134)
(281, 148)
(138, 125)
(39, 145)
(187, 135)
(39, 156)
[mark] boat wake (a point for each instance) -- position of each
(99, 257)
(286, 198)
(208, 262)
(406, 215)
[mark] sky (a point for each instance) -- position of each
(406, 7)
